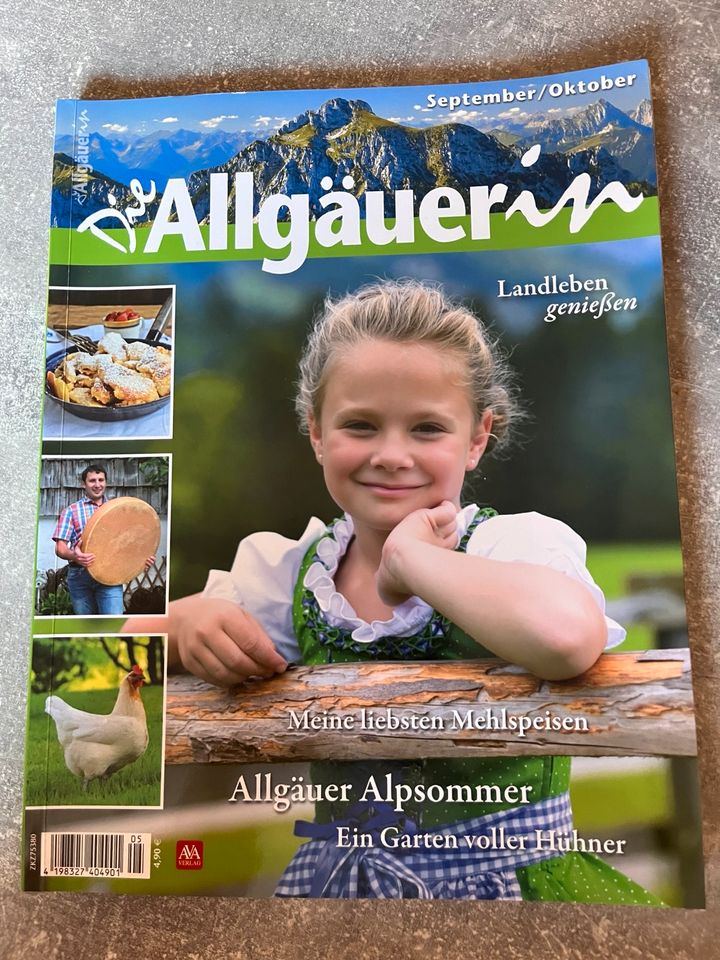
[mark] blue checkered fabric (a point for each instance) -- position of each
(321, 868)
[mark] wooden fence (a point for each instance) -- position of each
(154, 576)
(151, 582)
(627, 704)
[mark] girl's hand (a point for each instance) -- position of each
(220, 642)
(436, 526)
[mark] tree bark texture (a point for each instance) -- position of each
(633, 704)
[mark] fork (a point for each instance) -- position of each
(85, 343)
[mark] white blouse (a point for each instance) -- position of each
(267, 565)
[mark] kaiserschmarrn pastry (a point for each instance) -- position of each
(120, 374)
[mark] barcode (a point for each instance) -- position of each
(121, 855)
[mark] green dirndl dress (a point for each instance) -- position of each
(570, 877)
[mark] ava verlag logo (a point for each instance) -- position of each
(189, 854)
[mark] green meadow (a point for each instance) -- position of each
(611, 565)
(50, 783)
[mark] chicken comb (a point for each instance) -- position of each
(136, 669)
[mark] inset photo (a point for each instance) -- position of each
(109, 363)
(102, 547)
(96, 712)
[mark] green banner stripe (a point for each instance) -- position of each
(608, 222)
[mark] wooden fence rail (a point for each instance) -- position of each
(627, 704)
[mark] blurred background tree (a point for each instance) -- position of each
(93, 662)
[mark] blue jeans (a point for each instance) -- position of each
(88, 596)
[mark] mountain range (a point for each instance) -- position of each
(70, 206)
(643, 113)
(346, 137)
(158, 155)
(629, 138)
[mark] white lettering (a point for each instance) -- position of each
(297, 237)
(175, 199)
(431, 213)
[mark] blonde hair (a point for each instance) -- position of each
(408, 311)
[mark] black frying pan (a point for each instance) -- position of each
(101, 413)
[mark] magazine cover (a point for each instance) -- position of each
(358, 560)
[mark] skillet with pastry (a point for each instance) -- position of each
(121, 380)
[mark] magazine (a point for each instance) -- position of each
(358, 559)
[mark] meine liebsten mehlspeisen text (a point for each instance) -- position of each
(390, 720)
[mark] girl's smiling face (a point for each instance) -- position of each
(397, 430)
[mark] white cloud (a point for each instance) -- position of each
(167, 120)
(267, 122)
(470, 117)
(513, 112)
(463, 115)
(115, 127)
(213, 122)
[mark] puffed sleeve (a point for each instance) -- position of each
(534, 538)
(262, 580)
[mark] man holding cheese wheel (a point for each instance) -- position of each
(87, 595)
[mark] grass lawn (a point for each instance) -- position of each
(610, 803)
(50, 783)
(612, 564)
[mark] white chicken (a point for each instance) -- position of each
(97, 745)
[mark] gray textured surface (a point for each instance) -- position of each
(132, 49)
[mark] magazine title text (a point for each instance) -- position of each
(283, 222)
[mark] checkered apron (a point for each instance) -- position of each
(321, 868)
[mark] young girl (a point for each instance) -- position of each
(402, 394)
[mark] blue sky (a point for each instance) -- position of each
(263, 112)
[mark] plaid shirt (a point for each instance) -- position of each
(72, 520)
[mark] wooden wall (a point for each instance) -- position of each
(60, 483)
